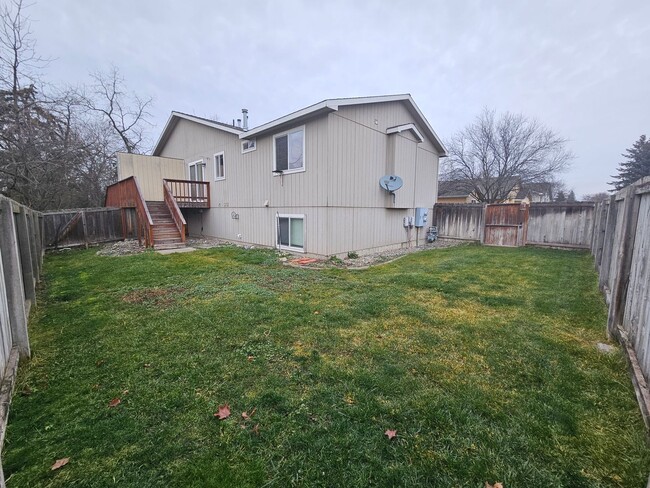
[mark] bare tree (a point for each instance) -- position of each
(57, 147)
(596, 197)
(125, 113)
(494, 155)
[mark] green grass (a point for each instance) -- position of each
(483, 359)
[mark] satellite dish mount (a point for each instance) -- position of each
(391, 183)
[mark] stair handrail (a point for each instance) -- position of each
(127, 193)
(174, 209)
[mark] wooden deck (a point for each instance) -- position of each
(190, 194)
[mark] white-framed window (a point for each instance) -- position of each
(219, 167)
(248, 146)
(289, 151)
(291, 232)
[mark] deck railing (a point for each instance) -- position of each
(127, 193)
(175, 211)
(190, 194)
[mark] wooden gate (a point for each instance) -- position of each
(506, 224)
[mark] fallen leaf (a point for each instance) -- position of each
(495, 485)
(246, 416)
(390, 434)
(60, 463)
(224, 412)
(147, 365)
(100, 362)
(256, 429)
(316, 312)
(114, 402)
(125, 392)
(26, 391)
(250, 358)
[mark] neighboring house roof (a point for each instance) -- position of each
(321, 108)
(464, 188)
(454, 188)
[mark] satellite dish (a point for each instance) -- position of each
(391, 183)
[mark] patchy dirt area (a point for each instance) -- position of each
(366, 260)
(125, 248)
(121, 248)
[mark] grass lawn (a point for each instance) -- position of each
(483, 360)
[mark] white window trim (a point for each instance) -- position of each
(304, 155)
(194, 163)
(304, 232)
(244, 151)
(214, 162)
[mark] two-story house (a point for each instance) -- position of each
(307, 182)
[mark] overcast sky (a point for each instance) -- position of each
(580, 67)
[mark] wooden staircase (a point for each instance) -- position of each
(165, 231)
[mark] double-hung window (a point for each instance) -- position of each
(291, 232)
(289, 151)
(219, 167)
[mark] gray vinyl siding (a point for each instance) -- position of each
(345, 155)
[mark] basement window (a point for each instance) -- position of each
(219, 167)
(291, 232)
(248, 146)
(289, 151)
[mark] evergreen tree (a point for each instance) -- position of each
(571, 197)
(635, 166)
(560, 197)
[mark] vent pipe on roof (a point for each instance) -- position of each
(238, 122)
(244, 112)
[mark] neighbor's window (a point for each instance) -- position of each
(248, 146)
(289, 151)
(291, 232)
(219, 167)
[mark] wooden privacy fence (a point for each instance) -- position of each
(85, 226)
(542, 224)
(620, 244)
(21, 258)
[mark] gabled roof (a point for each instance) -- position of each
(176, 116)
(294, 118)
(333, 104)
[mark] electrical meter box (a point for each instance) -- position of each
(421, 215)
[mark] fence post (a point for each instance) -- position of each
(25, 244)
(13, 279)
(624, 260)
(482, 223)
(608, 243)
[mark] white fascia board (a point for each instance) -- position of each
(199, 120)
(425, 122)
(401, 128)
(330, 105)
(163, 135)
(311, 110)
